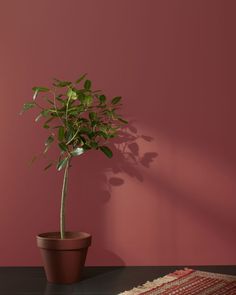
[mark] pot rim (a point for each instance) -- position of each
(55, 235)
(52, 240)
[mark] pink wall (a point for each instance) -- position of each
(174, 62)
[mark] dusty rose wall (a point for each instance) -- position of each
(174, 63)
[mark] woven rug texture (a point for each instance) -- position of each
(188, 282)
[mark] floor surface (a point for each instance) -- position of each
(96, 280)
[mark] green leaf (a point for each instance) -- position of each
(60, 99)
(80, 120)
(87, 84)
(62, 146)
(77, 152)
(94, 144)
(49, 141)
(49, 120)
(48, 166)
(59, 83)
(91, 134)
(55, 113)
(84, 130)
(116, 99)
(27, 106)
(122, 120)
(72, 94)
(81, 78)
(69, 134)
(62, 164)
(45, 113)
(102, 99)
(109, 113)
(93, 116)
(82, 139)
(51, 102)
(103, 134)
(88, 100)
(106, 151)
(61, 133)
(40, 89)
(86, 147)
(37, 89)
(76, 110)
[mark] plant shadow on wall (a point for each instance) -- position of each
(129, 157)
(96, 180)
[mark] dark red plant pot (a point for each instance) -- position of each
(63, 259)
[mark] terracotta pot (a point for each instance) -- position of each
(63, 259)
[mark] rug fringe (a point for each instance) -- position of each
(146, 287)
(157, 282)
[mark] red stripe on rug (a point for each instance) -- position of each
(177, 274)
(192, 285)
(199, 285)
(229, 289)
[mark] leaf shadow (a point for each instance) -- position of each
(129, 158)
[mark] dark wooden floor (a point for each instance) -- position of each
(96, 280)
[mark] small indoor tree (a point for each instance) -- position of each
(78, 119)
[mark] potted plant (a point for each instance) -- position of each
(78, 119)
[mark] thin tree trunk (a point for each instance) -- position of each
(63, 200)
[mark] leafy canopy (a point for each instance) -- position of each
(78, 118)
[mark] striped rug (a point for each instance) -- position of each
(188, 282)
